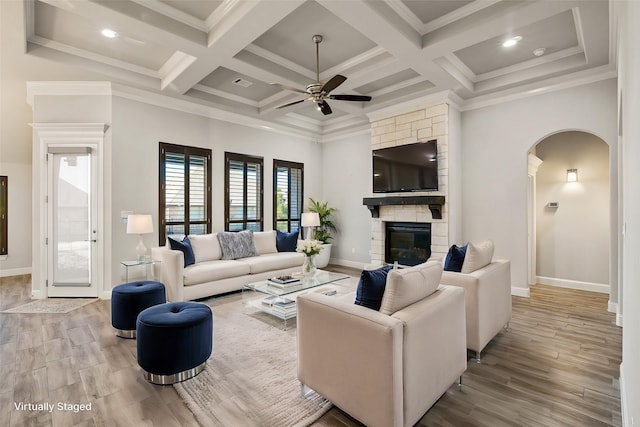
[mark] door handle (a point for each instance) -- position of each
(93, 240)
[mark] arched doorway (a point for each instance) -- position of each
(570, 219)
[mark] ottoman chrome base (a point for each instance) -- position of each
(126, 333)
(174, 378)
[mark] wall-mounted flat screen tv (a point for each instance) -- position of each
(411, 167)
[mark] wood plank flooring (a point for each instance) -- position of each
(557, 365)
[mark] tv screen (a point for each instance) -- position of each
(411, 167)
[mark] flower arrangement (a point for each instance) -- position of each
(309, 247)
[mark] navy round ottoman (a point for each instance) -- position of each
(129, 299)
(174, 341)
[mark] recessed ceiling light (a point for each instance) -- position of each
(109, 33)
(539, 51)
(512, 41)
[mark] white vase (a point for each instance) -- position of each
(322, 259)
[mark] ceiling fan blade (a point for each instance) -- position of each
(362, 98)
(333, 83)
(291, 103)
(293, 89)
(324, 107)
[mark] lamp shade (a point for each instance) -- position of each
(139, 224)
(572, 175)
(310, 219)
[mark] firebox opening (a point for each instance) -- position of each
(408, 243)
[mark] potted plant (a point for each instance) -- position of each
(323, 232)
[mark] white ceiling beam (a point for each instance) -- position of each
(243, 23)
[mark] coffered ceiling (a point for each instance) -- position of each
(223, 55)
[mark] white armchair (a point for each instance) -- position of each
(384, 370)
(487, 300)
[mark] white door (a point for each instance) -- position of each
(72, 221)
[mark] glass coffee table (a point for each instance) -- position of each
(281, 301)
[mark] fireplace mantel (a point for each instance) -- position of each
(435, 203)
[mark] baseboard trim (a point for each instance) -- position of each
(347, 263)
(15, 271)
(574, 284)
(612, 307)
(619, 320)
(520, 292)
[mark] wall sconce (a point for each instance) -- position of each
(572, 175)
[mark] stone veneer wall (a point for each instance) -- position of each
(420, 125)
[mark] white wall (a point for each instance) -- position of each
(629, 84)
(573, 239)
(495, 143)
(346, 180)
(137, 130)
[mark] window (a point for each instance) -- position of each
(4, 191)
(185, 190)
(287, 195)
(243, 192)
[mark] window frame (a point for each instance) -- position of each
(290, 165)
(4, 215)
(187, 151)
(228, 156)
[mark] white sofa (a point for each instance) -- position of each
(211, 275)
(385, 368)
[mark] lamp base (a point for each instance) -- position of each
(141, 249)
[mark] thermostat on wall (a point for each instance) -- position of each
(552, 205)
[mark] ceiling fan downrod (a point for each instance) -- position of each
(317, 39)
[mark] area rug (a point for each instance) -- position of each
(51, 305)
(250, 379)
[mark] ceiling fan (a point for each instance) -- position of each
(318, 92)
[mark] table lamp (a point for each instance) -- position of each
(140, 224)
(310, 220)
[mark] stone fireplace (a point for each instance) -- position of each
(417, 207)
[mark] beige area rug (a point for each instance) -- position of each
(251, 377)
(51, 305)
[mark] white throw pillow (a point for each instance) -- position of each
(409, 285)
(205, 247)
(265, 242)
(478, 255)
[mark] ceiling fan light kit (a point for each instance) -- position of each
(318, 92)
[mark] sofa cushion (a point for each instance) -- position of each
(455, 258)
(185, 247)
(478, 255)
(286, 242)
(236, 245)
(409, 285)
(371, 287)
(205, 247)
(277, 261)
(265, 242)
(209, 271)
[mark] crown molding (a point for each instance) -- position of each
(71, 88)
(445, 96)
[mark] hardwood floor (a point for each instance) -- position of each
(557, 365)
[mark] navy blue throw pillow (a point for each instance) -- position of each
(455, 258)
(185, 247)
(371, 287)
(286, 242)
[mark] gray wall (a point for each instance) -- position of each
(495, 143)
(346, 179)
(573, 239)
(629, 86)
(137, 129)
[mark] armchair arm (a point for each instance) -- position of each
(352, 355)
(172, 269)
(487, 300)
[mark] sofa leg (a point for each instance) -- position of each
(460, 381)
(477, 357)
(305, 391)
(506, 326)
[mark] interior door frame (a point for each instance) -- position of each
(67, 134)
